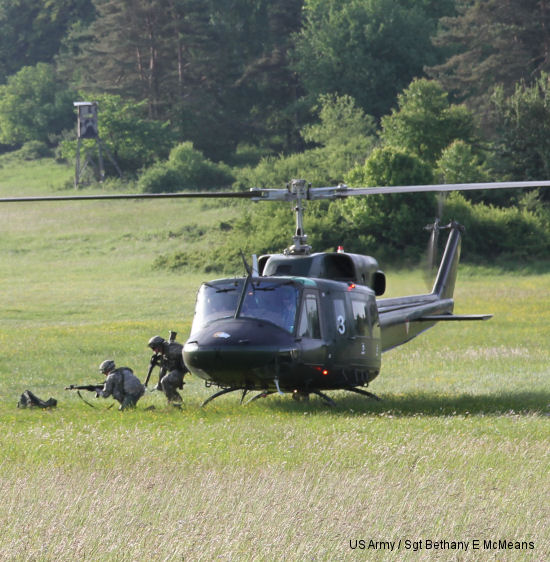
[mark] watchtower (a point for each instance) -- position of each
(87, 128)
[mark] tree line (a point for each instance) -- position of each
(211, 93)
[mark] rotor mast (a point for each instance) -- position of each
(300, 191)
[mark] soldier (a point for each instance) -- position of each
(121, 384)
(172, 367)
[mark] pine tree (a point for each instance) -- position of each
(216, 69)
(494, 42)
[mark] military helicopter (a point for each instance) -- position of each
(304, 323)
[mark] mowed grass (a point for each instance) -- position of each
(457, 450)
(33, 177)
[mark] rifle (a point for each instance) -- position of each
(97, 388)
(90, 387)
(155, 360)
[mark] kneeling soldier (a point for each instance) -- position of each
(121, 384)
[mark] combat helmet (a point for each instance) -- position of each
(155, 342)
(107, 366)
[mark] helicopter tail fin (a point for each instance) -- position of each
(444, 284)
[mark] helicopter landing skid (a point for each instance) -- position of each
(364, 393)
(221, 392)
(261, 395)
(234, 389)
(326, 399)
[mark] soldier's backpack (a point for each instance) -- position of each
(30, 400)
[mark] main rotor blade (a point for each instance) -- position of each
(259, 194)
(345, 191)
(178, 195)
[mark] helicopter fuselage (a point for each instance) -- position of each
(289, 334)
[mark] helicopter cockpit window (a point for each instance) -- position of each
(309, 320)
(216, 301)
(274, 302)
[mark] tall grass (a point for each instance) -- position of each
(457, 449)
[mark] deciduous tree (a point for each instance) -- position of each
(34, 105)
(31, 31)
(368, 49)
(426, 122)
(522, 130)
(391, 220)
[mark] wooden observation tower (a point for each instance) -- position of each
(87, 128)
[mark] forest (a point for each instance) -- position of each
(212, 94)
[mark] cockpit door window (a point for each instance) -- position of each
(310, 326)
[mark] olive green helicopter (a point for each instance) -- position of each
(305, 323)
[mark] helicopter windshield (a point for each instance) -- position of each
(272, 301)
(215, 301)
(275, 302)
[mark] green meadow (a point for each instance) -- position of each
(456, 455)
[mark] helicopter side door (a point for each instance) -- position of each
(365, 331)
(356, 331)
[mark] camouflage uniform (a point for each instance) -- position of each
(172, 368)
(123, 386)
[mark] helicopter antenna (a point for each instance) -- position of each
(300, 191)
(245, 263)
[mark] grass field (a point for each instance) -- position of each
(458, 450)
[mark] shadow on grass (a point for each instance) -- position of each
(423, 404)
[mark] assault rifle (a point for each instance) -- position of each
(97, 388)
(155, 360)
(90, 387)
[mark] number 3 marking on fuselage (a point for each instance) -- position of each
(341, 324)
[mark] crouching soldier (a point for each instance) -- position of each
(121, 384)
(172, 367)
